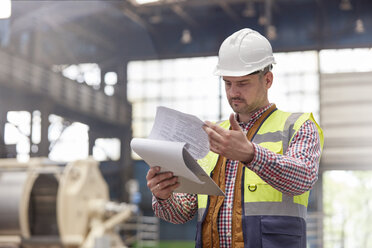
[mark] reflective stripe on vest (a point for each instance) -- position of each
(260, 198)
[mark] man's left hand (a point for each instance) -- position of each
(232, 144)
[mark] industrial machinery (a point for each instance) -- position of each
(43, 204)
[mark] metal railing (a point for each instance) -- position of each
(19, 74)
(142, 230)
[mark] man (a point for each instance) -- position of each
(265, 160)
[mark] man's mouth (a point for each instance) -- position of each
(236, 100)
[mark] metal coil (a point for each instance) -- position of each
(11, 194)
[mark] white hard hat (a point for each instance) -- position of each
(242, 53)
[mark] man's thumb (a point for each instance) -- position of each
(234, 124)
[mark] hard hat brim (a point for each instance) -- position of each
(224, 73)
(230, 73)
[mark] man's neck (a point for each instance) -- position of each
(245, 118)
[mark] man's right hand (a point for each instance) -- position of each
(161, 184)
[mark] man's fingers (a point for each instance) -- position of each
(234, 124)
(155, 172)
(214, 132)
(164, 182)
(173, 187)
(215, 149)
(165, 189)
(165, 186)
(152, 172)
(159, 178)
(161, 184)
(216, 128)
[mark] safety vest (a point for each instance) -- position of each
(259, 198)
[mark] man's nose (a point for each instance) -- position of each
(234, 91)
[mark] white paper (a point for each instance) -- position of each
(154, 152)
(173, 125)
(175, 142)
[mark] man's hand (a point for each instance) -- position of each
(232, 144)
(161, 184)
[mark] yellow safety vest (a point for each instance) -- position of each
(275, 134)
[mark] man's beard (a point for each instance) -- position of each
(242, 108)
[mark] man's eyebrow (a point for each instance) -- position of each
(244, 80)
(240, 81)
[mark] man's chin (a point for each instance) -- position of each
(236, 109)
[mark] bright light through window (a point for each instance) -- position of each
(109, 90)
(346, 60)
(347, 221)
(296, 84)
(106, 149)
(5, 9)
(17, 132)
(185, 84)
(145, 1)
(69, 142)
(188, 85)
(88, 73)
(111, 78)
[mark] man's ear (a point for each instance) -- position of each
(269, 77)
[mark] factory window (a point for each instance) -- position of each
(106, 149)
(21, 137)
(17, 133)
(347, 209)
(68, 141)
(111, 79)
(36, 127)
(346, 109)
(346, 60)
(188, 85)
(185, 84)
(89, 73)
(296, 82)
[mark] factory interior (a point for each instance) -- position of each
(79, 79)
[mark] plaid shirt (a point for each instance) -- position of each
(293, 173)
